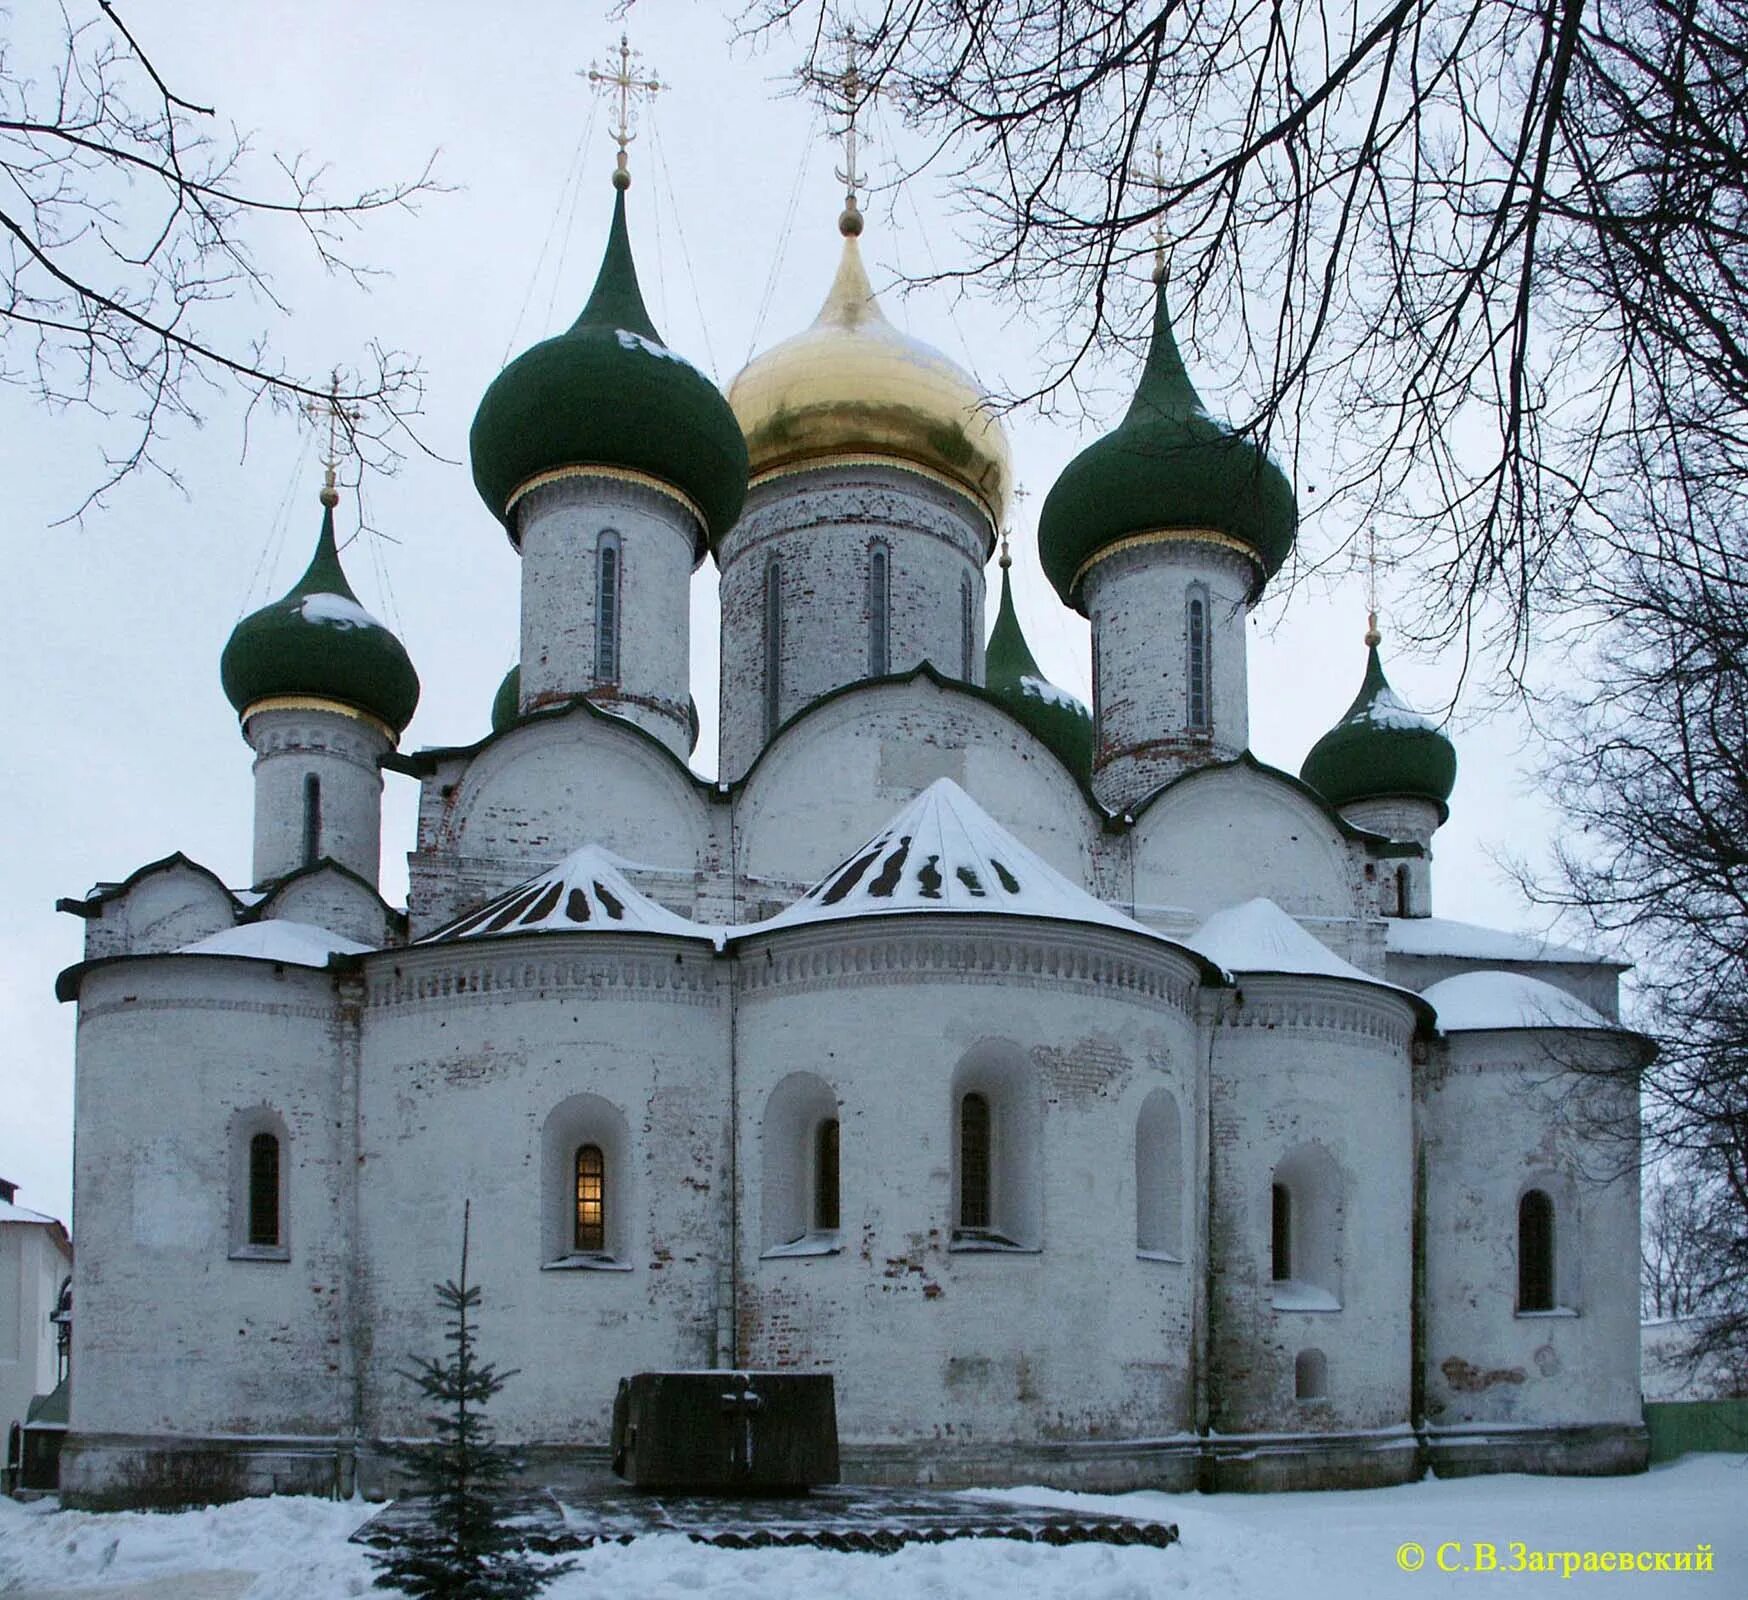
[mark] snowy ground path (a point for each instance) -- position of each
(1334, 1546)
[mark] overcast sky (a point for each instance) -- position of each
(121, 747)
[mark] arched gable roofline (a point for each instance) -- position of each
(68, 982)
(424, 762)
(263, 908)
(1376, 842)
(929, 671)
(91, 905)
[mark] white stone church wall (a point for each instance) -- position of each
(1310, 1087)
(1501, 1113)
(468, 1050)
(173, 1336)
(950, 1363)
(163, 911)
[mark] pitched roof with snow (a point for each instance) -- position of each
(11, 1211)
(1258, 936)
(1439, 936)
(944, 852)
(1475, 1002)
(586, 892)
(297, 944)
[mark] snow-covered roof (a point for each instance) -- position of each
(1439, 936)
(1473, 1002)
(1258, 936)
(944, 852)
(11, 1211)
(298, 944)
(586, 891)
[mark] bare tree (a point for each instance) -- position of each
(1493, 246)
(127, 217)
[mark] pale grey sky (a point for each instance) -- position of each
(121, 745)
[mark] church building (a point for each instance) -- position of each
(1100, 1105)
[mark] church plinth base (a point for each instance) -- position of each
(1596, 1452)
(1266, 1463)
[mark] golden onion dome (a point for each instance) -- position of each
(853, 388)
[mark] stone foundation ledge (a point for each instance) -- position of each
(1589, 1451)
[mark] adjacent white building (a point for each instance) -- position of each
(1099, 1104)
(36, 1258)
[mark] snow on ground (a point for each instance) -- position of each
(1329, 1546)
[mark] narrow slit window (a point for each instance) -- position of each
(968, 628)
(1281, 1234)
(974, 1210)
(773, 647)
(879, 597)
(1535, 1252)
(1196, 635)
(591, 1225)
(1402, 896)
(825, 1175)
(264, 1190)
(609, 579)
(312, 819)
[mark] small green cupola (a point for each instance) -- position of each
(608, 395)
(507, 702)
(1011, 674)
(1167, 469)
(1381, 749)
(317, 643)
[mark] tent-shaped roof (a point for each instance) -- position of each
(944, 852)
(586, 892)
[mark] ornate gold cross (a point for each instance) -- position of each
(624, 82)
(1155, 181)
(338, 415)
(847, 92)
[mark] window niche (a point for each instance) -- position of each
(586, 1187)
(800, 1199)
(1547, 1277)
(1310, 1376)
(1159, 1178)
(1305, 1226)
(1198, 662)
(260, 1187)
(609, 588)
(997, 1128)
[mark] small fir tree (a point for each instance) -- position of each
(460, 1550)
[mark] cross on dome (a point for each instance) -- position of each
(623, 81)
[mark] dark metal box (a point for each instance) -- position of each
(726, 1432)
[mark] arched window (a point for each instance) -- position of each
(1403, 897)
(974, 1211)
(825, 1175)
(879, 607)
(1535, 1251)
(968, 627)
(1310, 1375)
(264, 1190)
(799, 1190)
(1305, 1231)
(260, 1220)
(585, 1177)
(591, 1217)
(1281, 1234)
(1159, 1178)
(609, 585)
(1198, 663)
(312, 819)
(773, 647)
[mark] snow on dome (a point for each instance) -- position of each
(1439, 936)
(338, 610)
(298, 944)
(1386, 711)
(1476, 1001)
(1260, 937)
(944, 852)
(585, 892)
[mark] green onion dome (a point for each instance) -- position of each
(1167, 468)
(1011, 674)
(507, 702)
(318, 643)
(1380, 749)
(609, 395)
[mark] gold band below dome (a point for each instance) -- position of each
(313, 702)
(643, 480)
(871, 458)
(1133, 541)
